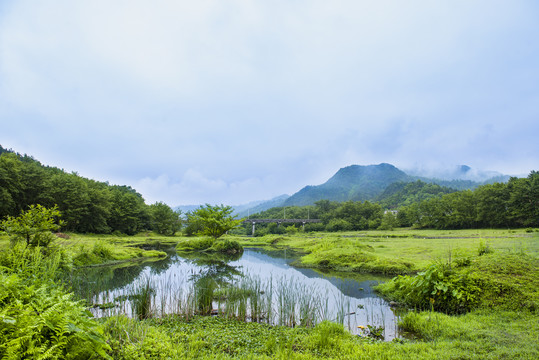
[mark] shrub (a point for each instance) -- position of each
(291, 230)
(33, 227)
(227, 246)
(198, 244)
(438, 287)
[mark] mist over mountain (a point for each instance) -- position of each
(259, 206)
(459, 172)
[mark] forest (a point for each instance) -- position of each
(87, 206)
(420, 205)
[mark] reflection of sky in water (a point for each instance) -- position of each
(360, 303)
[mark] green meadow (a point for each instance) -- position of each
(488, 310)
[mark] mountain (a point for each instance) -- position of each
(354, 182)
(406, 193)
(383, 183)
(186, 208)
(244, 210)
(259, 206)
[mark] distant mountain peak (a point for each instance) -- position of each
(354, 182)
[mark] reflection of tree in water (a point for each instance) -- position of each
(213, 266)
(159, 267)
(279, 252)
(89, 282)
(214, 271)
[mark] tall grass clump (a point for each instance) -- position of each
(142, 299)
(204, 289)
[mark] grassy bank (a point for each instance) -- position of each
(477, 335)
(96, 250)
(395, 252)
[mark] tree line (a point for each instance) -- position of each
(422, 205)
(87, 206)
(499, 205)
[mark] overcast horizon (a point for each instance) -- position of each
(232, 102)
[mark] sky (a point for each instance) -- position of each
(193, 102)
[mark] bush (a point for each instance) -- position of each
(275, 229)
(438, 288)
(208, 244)
(227, 246)
(198, 244)
(291, 230)
(33, 227)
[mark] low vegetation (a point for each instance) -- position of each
(208, 244)
(471, 294)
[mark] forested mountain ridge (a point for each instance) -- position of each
(376, 183)
(407, 193)
(354, 182)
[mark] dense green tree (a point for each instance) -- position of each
(389, 221)
(524, 200)
(129, 214)
(164, 220)
(11, 192)
(33, 226)
(406, 193)
(213, 221)
(492, 205)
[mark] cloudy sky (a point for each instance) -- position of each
(231, 101)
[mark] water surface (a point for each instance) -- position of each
(347, 298)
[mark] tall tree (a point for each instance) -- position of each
(164, 220)
(213, 221)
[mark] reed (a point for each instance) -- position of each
(282, 300)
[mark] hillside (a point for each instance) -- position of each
(355, 182)
(406, 193)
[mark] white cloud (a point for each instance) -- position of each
(247, 100)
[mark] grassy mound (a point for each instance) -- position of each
(208, 244)
(501, 281)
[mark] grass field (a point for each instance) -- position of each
(399, 251)
(502, 323)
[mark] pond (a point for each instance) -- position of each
(259, 285)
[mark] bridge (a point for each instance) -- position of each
(280, 221)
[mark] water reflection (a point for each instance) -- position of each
(180, 279)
